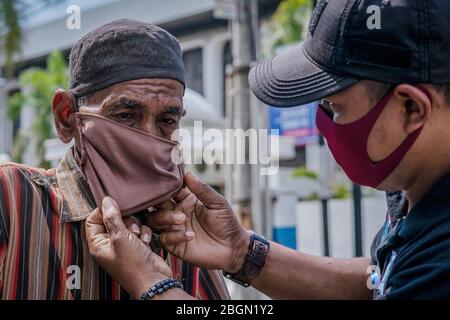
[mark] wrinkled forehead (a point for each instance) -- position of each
(141, 89)
(169, 87)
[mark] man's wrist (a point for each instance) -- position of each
(161, 288)
(240, 253)
(174, 294)
(144, 284)
(254, 261)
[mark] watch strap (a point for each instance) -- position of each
(258, 250)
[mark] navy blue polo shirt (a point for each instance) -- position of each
(412, 251)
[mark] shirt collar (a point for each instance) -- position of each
(78, 199)
(397, 205)
(430, 209)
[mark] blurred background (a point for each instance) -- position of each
(309, 205)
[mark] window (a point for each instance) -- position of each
(193, 62)
(227, 60)
(17, 121)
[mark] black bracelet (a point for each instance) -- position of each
(161, 287)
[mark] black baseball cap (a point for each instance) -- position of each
(391, 41)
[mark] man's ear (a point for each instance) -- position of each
(63, 115)
(417, 106)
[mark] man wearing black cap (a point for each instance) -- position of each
(385, 114)
(126, 90)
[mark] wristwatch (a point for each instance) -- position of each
(258, 250)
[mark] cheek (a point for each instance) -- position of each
(349, 115)
(387, 134)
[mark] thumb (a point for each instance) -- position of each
(112, 219)
(205, 193)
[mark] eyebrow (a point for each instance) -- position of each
(175, 110)
(130, 104)
(124, 102)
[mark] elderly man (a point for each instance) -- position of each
(125, 100)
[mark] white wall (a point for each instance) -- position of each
(52, 34)
(341, 225)
(212, 42)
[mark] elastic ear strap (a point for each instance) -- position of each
(74, 102)
(82, 153)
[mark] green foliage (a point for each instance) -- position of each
(39, 86)
(21, 141)
(289, 22)
(341, 192)
(12, 14)
(338, 190)
(312, 197)
(302, 172)
(10, 31)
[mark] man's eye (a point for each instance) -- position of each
(124, 116)
(326, 105)
(169, 121)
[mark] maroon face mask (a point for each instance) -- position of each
(133, 167)
(348, 144)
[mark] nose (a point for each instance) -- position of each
(148, 125)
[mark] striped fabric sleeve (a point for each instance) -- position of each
(212, 286)
(3, 248)
(3, 224)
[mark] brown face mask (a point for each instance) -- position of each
(133, 167)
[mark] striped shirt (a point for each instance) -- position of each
(43, 248)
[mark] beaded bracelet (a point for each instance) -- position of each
(161, 287)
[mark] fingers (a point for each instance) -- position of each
(173, 238)
(94, 225)
(164, 219)
(133, 224)
(112, 219)
(168, 204)
(145, 234)
(201, 190)
(182, 194)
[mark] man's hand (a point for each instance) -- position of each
(209, 235)
(134, 225)
(121, 253)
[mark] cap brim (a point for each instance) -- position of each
(292, 79)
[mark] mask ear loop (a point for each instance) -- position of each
(75, 106)
(80, 155)
(82, 152)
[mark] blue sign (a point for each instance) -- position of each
(298, 122)
(286, 236)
